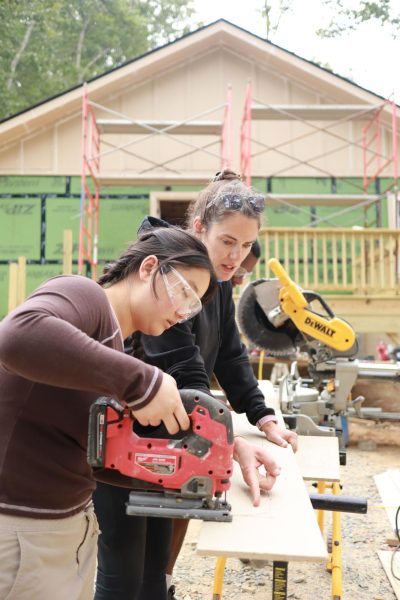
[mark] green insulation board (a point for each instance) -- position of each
(118, 223)
(32, 185)
(35, 275)
(20, 228)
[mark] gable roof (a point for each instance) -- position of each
(219, 34)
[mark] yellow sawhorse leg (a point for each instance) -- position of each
(219, 578)
(279, 582)
(321, 485)
(336, 559)
(334, 564)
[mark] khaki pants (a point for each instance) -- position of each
(48, 559)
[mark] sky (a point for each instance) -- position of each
(370, 56)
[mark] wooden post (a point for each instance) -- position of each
(21, 280)
(67, 252)
(12, 286)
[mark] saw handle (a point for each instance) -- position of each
(311, 296)
(193, 400)
(290, 287)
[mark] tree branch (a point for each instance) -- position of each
(93, 61)
(79, 47)
(20, 52)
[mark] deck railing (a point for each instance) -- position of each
(353, 261)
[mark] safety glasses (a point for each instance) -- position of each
(236, 202)
(182, 296)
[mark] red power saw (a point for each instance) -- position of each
(182, 476)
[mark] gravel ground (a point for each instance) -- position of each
(362, 574)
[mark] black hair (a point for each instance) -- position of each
(172, 246)
(256, 249)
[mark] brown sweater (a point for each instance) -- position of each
(59, 351)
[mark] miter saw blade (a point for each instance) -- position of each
(258, 300)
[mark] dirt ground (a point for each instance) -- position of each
(363, 575)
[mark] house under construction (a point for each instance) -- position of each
(145, 137)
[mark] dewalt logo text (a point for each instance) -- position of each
(320, 327)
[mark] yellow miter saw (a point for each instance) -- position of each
(282, 319)
(276, 315)
(294, 304)
(279, 317)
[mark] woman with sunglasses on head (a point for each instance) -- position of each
(227, 218)
(59, 351)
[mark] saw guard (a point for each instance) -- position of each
(328, 329)
(277, 316)
(255, 325)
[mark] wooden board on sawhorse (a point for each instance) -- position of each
(318, 461)
(279, 529)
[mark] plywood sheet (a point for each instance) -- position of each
(318, 458)
(283, 527)
(385, 556)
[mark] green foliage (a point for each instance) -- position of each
(349, 19)
(49, 46)
(273, 12)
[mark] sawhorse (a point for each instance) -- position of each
(317, 459)
(279, 529)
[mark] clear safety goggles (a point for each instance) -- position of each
(183, 297)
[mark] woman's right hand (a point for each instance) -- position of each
(165, 406)
(250, 458)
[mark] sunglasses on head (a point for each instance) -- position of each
(236, 202)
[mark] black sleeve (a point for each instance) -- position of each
(176, 353)
(233, 369)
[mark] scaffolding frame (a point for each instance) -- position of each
(375, 124)
(90, 189)
(245, 136)
(95, 129)
(336, 114)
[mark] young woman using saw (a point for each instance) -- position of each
(134, 551)
(60, 350)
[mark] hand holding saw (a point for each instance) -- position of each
(181, 476)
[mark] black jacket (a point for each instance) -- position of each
(209, 343)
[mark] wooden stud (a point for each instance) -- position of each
(296, 256)
(12, 286)
(286, 252)
(344, 261)
(21, 280)
(324, 259)
(315, 259)
(305, 258)
(335, 260)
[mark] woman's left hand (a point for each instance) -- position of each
(250, 458)
(279, 435)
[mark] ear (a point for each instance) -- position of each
(149, 264)
(198, 227)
